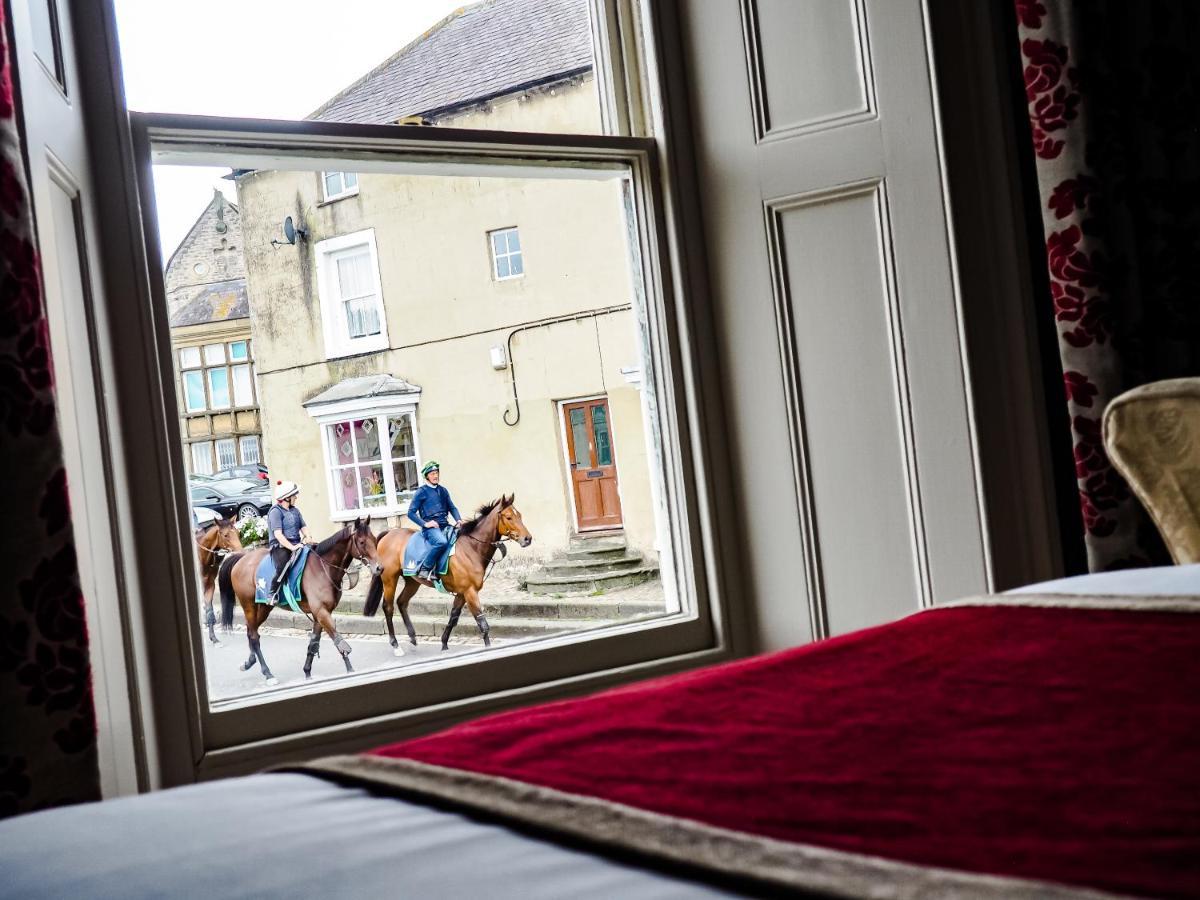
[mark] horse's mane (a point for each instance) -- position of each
(480, 514)
(332, 541)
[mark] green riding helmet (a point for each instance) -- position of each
(430, 466)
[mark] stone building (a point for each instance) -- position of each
(384, 335)
(209, 312)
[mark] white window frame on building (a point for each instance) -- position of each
(334, 318)
(346, 187)
(329, 419)
(510, 254)
(212, 357)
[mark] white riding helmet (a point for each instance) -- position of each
(285, 489)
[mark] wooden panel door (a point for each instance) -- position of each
(592, 462)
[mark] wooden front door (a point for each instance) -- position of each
(592, 462)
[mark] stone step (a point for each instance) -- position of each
(538, 608)
(430, 627)
(583, 566)
(597, 553)
(602, 541)
(589, 583)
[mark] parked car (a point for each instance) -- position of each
(233, 499)
(251, 472)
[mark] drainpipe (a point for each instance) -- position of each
(542, 323)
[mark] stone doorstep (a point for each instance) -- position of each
(577, 584)
(568, 567)
(431, 626)
(597, 553)
(605, 540)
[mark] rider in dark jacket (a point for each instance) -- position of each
(433, 510)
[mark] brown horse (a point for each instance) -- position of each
(213, 543)
(478, 539)
(320, 589)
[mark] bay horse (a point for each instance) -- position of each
(213, 543)
(320, 589)
(477, 541)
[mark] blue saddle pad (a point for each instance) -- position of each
(289, 593)
(418, 546)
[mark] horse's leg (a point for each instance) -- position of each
(472, 595)
(210, 618)
(325, 619)
(252, 634)
(389, 606)
(248, 613)
(411, 586)
(314, 649)
(455, 612)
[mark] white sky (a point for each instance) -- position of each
(268, 59)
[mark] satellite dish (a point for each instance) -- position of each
(289, 230)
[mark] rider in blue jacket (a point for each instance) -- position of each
(432, 509)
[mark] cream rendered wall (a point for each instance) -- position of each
(444, 312)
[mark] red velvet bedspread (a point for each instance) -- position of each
(1052, 744)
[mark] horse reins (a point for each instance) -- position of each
(499, 544)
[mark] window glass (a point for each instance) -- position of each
(600, 431)
(202, 459)
(243, 393)
(218, 388)
(214, 354)
(226, 455)
(373, 345)
(350, 180)
(189, 357)
(193, 391)
(248, 446)
(333, 183)
(579, 438)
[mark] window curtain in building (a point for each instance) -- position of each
(1114, 112)
(48, 752)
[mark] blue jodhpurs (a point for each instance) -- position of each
(437, 543)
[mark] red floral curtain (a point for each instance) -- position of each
(48, 752)
(1113, 102)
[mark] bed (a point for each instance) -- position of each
(1041, 743)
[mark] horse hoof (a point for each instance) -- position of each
(413, 641)
(396, 651)
(272, 681)
(246, 668)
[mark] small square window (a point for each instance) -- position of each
(339, 184)
(189, 358)
(214, 354)
(507, 261)
(239, 350)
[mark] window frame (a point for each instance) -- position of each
(344, 192)
(367, 408)
(508, 254)
(335, 329)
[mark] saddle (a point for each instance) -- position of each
(289, 590)
(417, 548)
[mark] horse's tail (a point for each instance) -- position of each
(374, 595)
(225, 583)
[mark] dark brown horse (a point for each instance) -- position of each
(320, 589)
(477, 541)
(213, 543)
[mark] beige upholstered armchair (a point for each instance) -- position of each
(1152, 435)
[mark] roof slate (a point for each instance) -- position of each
(478, 52)
(216, 302)
(361, 387)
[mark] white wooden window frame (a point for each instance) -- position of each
(519, 253)
(351, 410)
(335, 329)
(344, 192)
(245, 440)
